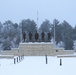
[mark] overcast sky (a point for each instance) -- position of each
(16, 10)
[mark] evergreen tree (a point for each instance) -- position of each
(1, 27)
(45, 26)
(74, 33)
(28, 25)
(6, 45)
(67, 35)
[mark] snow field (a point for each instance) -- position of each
(35, 65)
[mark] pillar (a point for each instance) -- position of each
(46, 59)
(17, 59)
(60, 62)
(14, 61)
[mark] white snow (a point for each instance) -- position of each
(60, 45)
(37, 43)
(35, 65)
(75, 45)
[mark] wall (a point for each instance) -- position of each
(37, 49)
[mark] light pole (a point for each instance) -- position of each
(21, 33)
(54, 32)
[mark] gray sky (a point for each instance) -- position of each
(16, 10)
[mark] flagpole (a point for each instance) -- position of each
(21, 34)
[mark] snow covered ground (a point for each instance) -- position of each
(36, 65)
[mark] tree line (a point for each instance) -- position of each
(10, 33)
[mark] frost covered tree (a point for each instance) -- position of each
(28, 25)
(64, 33)
(6, 29)
(1, 27)
(11, 32)
(74, 33)
(45, 26)
(67, 35)
(6, 45)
